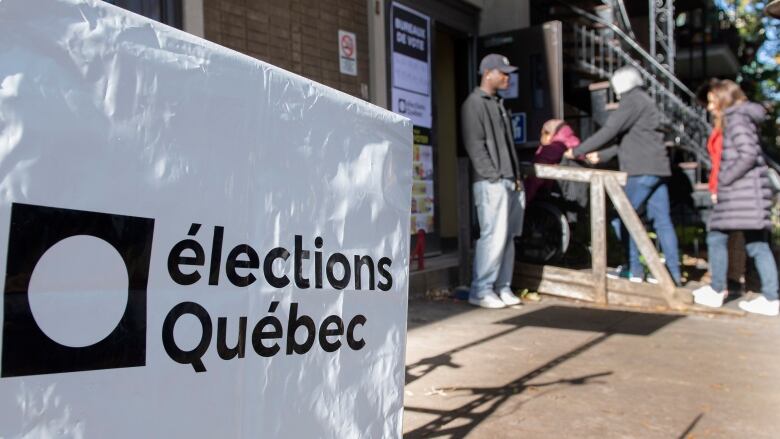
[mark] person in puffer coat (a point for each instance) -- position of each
(743, 202)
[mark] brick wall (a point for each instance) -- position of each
(297, 35)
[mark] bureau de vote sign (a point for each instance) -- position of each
(193, 243)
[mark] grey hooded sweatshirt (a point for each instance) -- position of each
(637, 123)
(744, 191)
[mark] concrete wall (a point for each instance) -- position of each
(502, 15)
(192, 11)
(297, 35)
(301, 35)
(377, 27)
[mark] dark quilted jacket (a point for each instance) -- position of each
(744, 194)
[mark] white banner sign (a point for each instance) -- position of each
(411, 65)
(195, 244)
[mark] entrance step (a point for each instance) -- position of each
(602, 85)
(441, 272)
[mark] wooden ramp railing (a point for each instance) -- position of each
(595, 286)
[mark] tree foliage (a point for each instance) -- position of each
(759, 41)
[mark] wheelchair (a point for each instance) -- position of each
(556, 229)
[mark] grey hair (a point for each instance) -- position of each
(625, 79)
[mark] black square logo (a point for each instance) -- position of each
(27, 350)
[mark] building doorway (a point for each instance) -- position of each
(453, 81)
(431, 69)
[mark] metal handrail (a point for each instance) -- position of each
(687, 121)
(598, 40)
(634, 45)
(689, 124)
(624, 17)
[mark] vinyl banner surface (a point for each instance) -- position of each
(193, 244)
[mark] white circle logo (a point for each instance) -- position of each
(78, 291)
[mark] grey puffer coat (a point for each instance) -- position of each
(744, 191)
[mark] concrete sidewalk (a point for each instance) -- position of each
(556, 369)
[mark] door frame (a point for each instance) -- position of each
(456, 16)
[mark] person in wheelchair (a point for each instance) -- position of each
(547, 233)
(557, 137)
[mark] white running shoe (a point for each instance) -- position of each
(708, 297)
(488, 300)
(706, 289)
(761, 305)
(509, 298)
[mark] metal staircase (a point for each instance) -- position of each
(600, 47)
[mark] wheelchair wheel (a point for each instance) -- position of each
(546, 234)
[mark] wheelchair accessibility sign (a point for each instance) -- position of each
(518, 126)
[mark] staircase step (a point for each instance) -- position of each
(598, 85)
(585, 72)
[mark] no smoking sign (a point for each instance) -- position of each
(347, 46)
(347, 53)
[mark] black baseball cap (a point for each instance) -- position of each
(495, 61)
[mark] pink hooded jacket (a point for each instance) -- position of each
(550, 154)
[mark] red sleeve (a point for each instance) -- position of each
(715, 148)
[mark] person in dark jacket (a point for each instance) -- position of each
(744, 199)
(498, 192)
(643, 156)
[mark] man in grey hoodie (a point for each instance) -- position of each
(498, 192)
(642, 155)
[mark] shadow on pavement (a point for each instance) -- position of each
(690, 428)
(435, 310)
(490, 399)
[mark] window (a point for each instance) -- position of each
(164, 11)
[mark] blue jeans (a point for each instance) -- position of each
(651, 192)
(757, 247)
(500, 212)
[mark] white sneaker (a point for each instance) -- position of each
(761, 305)
(706, 289)
(509, 298)
(488, 300)
(708, 297)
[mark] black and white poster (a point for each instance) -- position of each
(411, 65)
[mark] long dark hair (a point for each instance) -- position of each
(727, 93)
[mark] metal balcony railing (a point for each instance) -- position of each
(687, 122)
(600, 52)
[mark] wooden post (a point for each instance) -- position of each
(464, 222)
(584, 175)
(639, 235)
(582, 285)
(598, 237)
